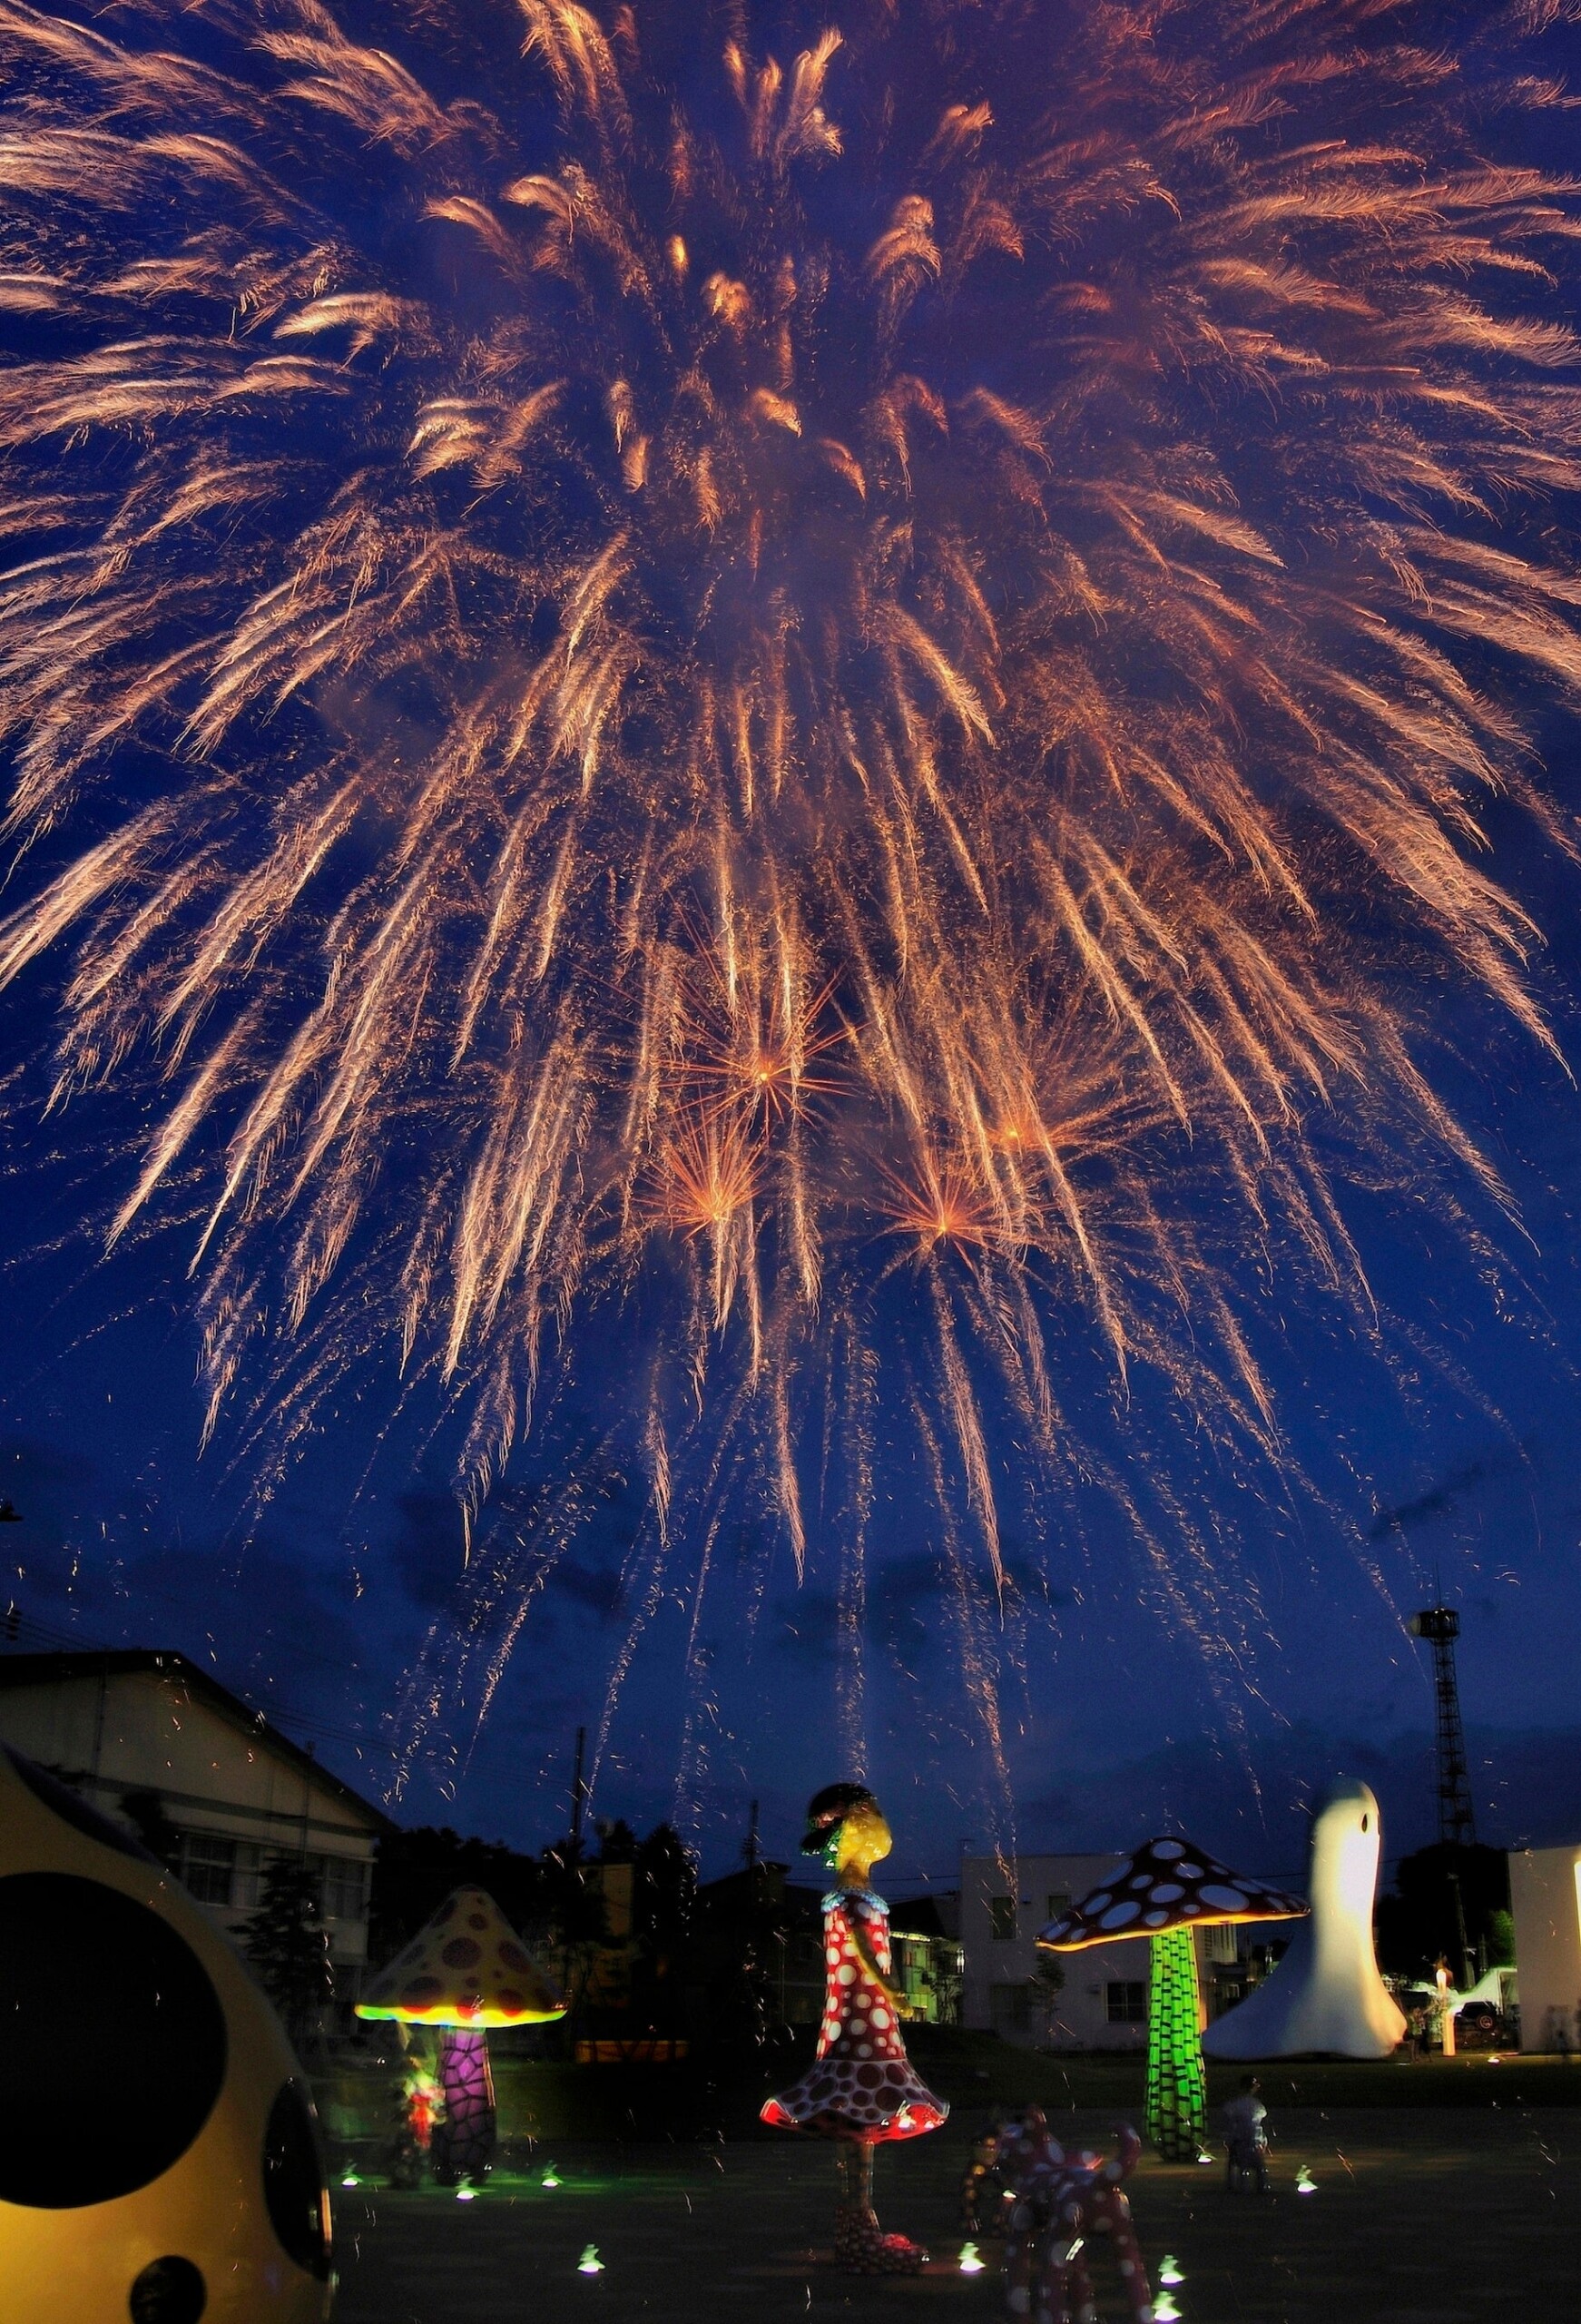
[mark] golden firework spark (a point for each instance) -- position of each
(707, 1178)
(946, 1203)
(570, 564)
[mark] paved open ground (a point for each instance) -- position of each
(1439, 2216)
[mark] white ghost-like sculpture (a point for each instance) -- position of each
(1326, 1995)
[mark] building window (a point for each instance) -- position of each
(1002, 1919)
(1010, 2007)
(342, 1886)
(1220, 1943)
(246, 1881)
(1127, 2002)
(208, 1867)
(1058, 1902)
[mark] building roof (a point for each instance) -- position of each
(44, 1670)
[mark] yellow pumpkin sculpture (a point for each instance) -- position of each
(158, 2154)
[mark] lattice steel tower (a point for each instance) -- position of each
(1440, 1626)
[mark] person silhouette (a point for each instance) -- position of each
(1245, 2121)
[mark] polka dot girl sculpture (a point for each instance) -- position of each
(860, 2090)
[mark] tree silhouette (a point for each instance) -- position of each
(288, 1945)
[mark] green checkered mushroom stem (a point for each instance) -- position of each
(1168, 1889)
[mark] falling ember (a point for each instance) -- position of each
(624, 622)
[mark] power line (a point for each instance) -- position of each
(25, 1630)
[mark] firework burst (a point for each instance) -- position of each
(651, 646)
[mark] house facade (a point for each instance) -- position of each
(1101, 2001)
(926, 1958)
(151, 1739)
(1545, 1900)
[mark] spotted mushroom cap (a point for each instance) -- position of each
(1168, 1883)
(466, 1968)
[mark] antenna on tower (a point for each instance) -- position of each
(1441, 1627)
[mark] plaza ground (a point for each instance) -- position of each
(1431, 2213)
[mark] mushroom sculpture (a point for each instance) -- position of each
(1167, 1890)
(465, 1971)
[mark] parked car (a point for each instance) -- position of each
(1487, 2016)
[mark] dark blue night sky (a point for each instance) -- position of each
(1439, 1453)
(1113, 1722)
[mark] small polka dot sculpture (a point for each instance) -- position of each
(861, 2088)
(465, 1971)
(1167, 1890)
(1061, 2203)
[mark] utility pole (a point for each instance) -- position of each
(1467, 1965)
(1441, 1627)
(752, 1852)
(578, 1793)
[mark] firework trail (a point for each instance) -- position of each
(720, 665)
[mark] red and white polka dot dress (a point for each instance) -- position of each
(861, 2085)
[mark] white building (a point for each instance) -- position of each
(1103, 2002)
(1545, 1899)
(153, 1728)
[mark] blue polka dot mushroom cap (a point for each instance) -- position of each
(1168, 1883)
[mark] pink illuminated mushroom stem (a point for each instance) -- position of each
(1168, 1889)
(464, 1972)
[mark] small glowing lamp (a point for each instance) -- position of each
(590, 2264)
(351, 2180)
(466, 2194)
(1171, 2271)
(1164, 2310)
(972, 2262)
(551, 2176)
(1305, 2184)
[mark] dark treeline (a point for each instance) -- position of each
(549, 1898)
(622, 1925)
(1449, 1902)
